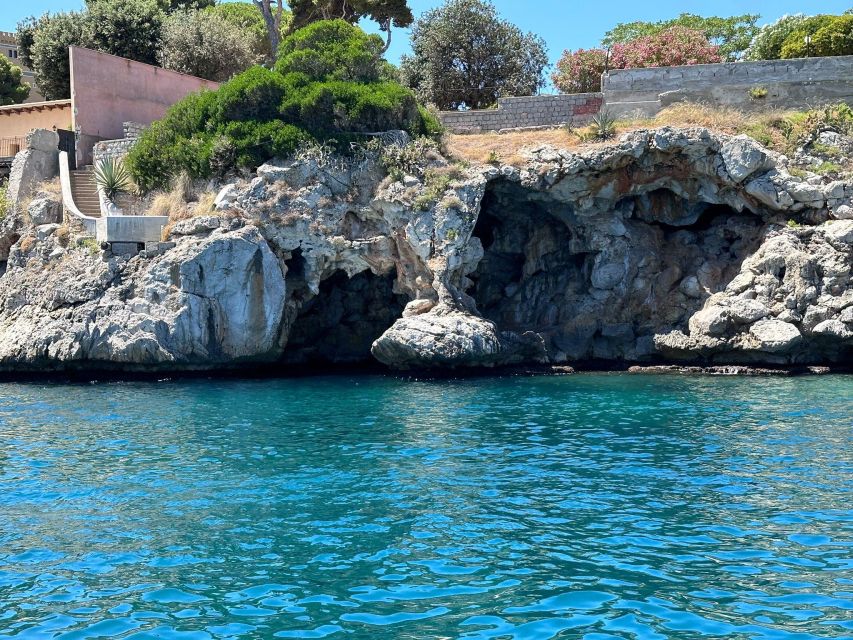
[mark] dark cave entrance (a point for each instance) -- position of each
(539, 260)
(528, 263)
(339, 325)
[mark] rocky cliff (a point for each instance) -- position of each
(670, 245)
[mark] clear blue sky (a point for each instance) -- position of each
(565, 24)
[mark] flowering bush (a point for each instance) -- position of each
(580, 71)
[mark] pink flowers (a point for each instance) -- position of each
(580, 71)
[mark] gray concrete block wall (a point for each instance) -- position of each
(526, 112)
(793, 84)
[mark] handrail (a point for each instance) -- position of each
(67, 197)
(9, 147)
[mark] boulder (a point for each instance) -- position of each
(435, 340)
(45, 211)
(743, 157)
(35, 164)
(775, 336)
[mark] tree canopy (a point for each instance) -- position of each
(396, 12)
(205, 44)
(43, 46)
(247, 19)
(327, 85)
(464, 53)
(732, 35)
(176, 33)
(829, 35)
(12, 89)
(580, 71)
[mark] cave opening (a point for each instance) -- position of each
(339, 325)
(600, 287)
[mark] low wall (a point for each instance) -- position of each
(524, 113)
(789, 84)
(112, 149)
(107, 91)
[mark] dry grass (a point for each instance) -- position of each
(181, 203)
(50, 188)
(505, 148)
(508, 148)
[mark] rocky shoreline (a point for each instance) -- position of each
(676, 246)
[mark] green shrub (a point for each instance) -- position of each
(326, 85)
(795, 44)
(834, 38)
(255, 94)
(331, 50)
(827, 168)
(758, 93)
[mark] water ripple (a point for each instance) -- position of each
(593, 507)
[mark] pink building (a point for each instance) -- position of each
(106, 92)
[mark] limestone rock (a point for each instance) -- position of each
(742, 157)
(45, 211)
(670, 243)
(432, 340)
(35, 164)
(774, 335)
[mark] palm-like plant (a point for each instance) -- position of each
(603, 125)
(112, 177)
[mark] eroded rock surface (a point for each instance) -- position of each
(672, 244)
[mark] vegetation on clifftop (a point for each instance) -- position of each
(329, 83)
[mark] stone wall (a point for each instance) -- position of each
(133, 129)
(112, 149)
(789, 84)
(525, 113)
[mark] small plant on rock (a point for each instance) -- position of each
(758, 93)
(5, 201)
(603, 126)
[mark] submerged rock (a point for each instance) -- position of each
(670, 244)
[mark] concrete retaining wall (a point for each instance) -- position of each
(789, 84)
(529, 112)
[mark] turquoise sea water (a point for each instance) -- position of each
(592, 506)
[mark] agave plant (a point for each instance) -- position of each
(604, 125)
(112, 177)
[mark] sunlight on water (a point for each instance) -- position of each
(593, 506)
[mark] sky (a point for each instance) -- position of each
(564, 24)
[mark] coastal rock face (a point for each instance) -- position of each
(792, 302)
(210, 301)
(672, 244)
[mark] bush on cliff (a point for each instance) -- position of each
(580, 71)
(326, 85)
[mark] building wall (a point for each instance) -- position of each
(107, 91)
(18, 120)
(527, 112)
(790, 84)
